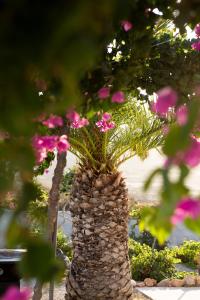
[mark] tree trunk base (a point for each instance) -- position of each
(100, 268)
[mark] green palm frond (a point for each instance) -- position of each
(137, 131)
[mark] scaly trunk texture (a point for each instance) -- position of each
(100, 268)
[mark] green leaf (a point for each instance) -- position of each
(39, 262)
(176, 140)
(155, 223)
(193, 225)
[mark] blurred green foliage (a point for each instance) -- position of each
(67, 181)
(59, 48)
(142, 237)
(64, 244)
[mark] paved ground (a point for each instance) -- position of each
(60, 294)
(172, 293)
(146, 293)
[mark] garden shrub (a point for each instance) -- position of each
(188, 252)
(37, 210)
(145, 237)
(63, 241)
(183, 274)
(146, 262)
(136, 248)
(37, 215)
(67, 181)
(64, 244)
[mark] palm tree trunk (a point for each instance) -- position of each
(100, 267)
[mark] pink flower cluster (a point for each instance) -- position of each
(44, 144)
(182, 115)
(166, 98)
(186, 208)
(117, 97)
(76, 120)
(190, 157)
(56, 121)
(126, 25)
(53, 121)
(105, 124)
(196, 45)
(104, 92)
(14, 293)
(197, 30)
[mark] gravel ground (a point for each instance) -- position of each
(59, 293)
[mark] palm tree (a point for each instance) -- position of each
(99, 202)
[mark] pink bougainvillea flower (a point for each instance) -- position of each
(53, 121)
(14, 293)
(197, 29)
(191, 157)
(186, 208)
(104, 92)
(49, 142)
(62, 144)
(118, 97)
(110, 125)
(76, 120)
(106, 116)
(105, 124)
(182, 115)
(196, 46)
(73, 116)
(80, 123)
(44, 144)
(126, 25)
(166, 98)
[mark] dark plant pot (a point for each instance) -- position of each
(9, 276)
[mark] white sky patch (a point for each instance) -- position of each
(156, 11)
(111, 46)
(190, 33)
(142, 91)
